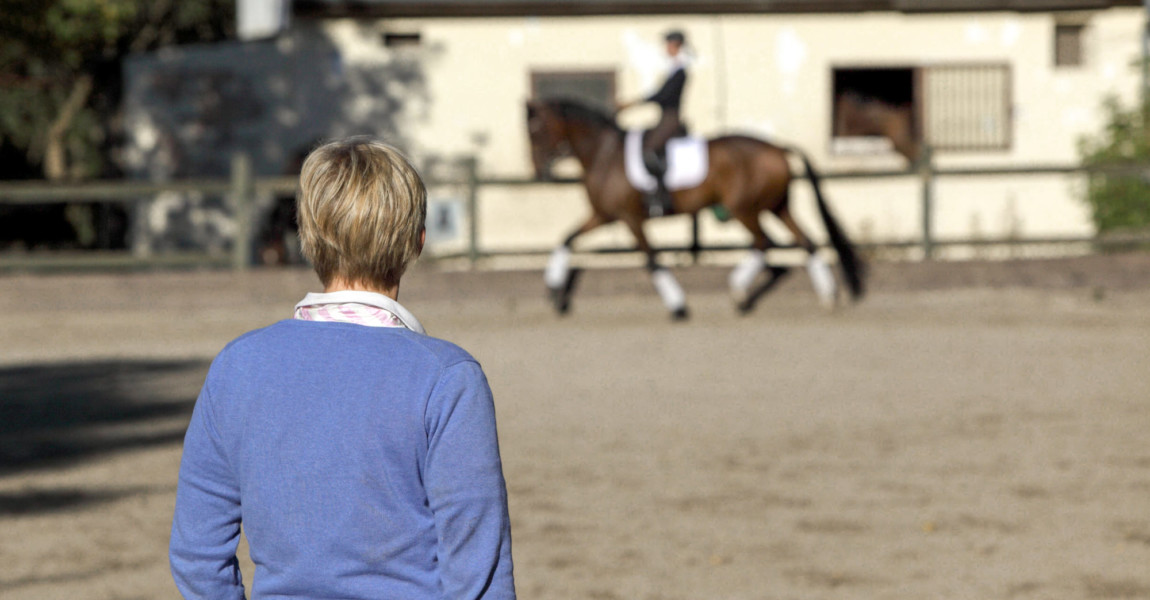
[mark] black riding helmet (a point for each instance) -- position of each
(675, 36)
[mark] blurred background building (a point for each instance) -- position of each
(858, 84)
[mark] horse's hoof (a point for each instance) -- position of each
(561, 297)
(744, 300)
(680, 314)
(560, 300)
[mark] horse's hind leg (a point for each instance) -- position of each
(558, 275)
(670, 292)
(822, 279)
(743, 276)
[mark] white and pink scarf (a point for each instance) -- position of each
(361, 308)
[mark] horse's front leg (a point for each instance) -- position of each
(665, 283)
(558, 275)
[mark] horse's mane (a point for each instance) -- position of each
(578, 110)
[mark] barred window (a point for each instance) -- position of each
(949, 107)
(967, 107)
(1068, 45)
(594, 87)
(410, 39)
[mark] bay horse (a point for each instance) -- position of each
(746, 176)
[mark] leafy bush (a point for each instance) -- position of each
(1119, 201)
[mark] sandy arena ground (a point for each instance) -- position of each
(969, 431)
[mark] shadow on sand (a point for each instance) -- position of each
(58, 414)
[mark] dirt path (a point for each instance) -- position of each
(969, 431)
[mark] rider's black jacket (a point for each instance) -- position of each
(671, 94)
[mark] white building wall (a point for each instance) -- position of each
(770, 75)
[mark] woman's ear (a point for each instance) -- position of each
(422, 240)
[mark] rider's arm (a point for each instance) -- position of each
(621, 106)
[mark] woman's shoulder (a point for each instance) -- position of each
(448, 353)
(287, 334)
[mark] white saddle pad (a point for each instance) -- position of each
(686, 162)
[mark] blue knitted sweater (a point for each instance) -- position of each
(362, 462)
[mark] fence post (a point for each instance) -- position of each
(472, 165)
(243, 186)
(696, 247)
(926, 173)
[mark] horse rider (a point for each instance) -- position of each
(669, 97)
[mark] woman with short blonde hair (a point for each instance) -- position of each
(359, 454)
(361, 208)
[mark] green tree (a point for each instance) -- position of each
(1119, 201)
(60, 72)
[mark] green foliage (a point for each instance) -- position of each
(48, 47)
(1119, 201)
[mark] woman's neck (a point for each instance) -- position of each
(339, 284)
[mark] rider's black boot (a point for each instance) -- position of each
(658, 204)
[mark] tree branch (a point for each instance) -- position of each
(55, 161)
(154, 27)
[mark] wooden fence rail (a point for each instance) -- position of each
(242, 186)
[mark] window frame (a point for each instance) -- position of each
(873, 144)
(920, 111)
(609, 75)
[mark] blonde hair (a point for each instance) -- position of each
(361, 208)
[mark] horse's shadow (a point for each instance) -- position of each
(58, 414)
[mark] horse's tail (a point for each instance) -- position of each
(852, 268)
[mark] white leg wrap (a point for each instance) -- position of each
(669, 290)
(558, 268)
(744, 273)
(823, 280)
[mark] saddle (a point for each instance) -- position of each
(656, 159)
(686, 162)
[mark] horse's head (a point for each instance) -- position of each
(547, 130)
